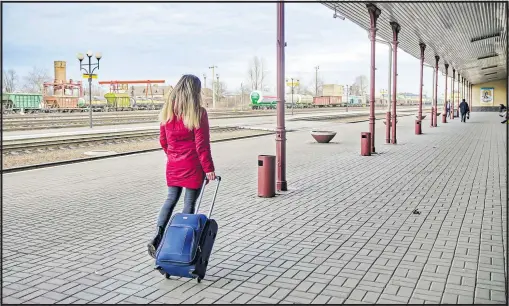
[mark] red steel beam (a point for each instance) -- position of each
(281, 183)
(444, 113)
(374, 13)
(423, 48)
(395, 31)
(452, 93)
(435, 107)
(459, 94)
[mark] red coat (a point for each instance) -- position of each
(188, 152)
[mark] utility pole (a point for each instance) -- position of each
(316, 80)
(213, 87)
(241, 96)
(347, 98)
(217, 90)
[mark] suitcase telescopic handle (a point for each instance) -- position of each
(218, 179)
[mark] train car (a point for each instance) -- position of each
(118, 101)
(99, 104)
(148, 103)
(306, 101)
(21, 102)
(60, 103)
(327, 101)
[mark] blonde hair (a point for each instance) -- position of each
(184, 102)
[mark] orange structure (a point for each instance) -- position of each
(61, 94)
(115, 86)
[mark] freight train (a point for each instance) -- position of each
(38, 103)
(260, 101)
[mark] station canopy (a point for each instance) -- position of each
(470, 36)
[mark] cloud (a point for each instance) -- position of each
(165, 40)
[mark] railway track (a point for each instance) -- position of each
(37, 122)
(74, 141)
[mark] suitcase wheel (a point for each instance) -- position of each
(199, 280)
(167, 275)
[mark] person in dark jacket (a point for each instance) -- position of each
(185, 139)
(464, 110)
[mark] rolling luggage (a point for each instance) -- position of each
(187, 242)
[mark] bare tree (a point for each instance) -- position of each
(257, 73)
(361, 84)
(10, 80)
(221, 90)
(33, 81)
(317, 84)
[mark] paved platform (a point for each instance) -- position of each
(343, 233)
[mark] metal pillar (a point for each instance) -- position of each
(435, 106)
(374, 13)
(462, 93)
(423, 48)
(470, 96)
(458, 98)
(389, 76)
(281, 183)
(395, 31)
(432, 95)
(444, 114)
(452, 93)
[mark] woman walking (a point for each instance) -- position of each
(185, 139)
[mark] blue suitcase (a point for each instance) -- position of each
(187, 242)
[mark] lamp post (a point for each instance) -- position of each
(217, 91)
(213, 87)
(89, 72)
(292, 86)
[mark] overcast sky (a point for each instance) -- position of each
(165, 40)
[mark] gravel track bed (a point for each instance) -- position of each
(49, 155)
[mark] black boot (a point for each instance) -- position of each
(154, 243)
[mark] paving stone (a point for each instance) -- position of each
(316, 243)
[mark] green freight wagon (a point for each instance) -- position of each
(258, 101)
(21, 102)
(118, 100)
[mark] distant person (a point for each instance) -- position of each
(185, 139)
(501, 110)
(464, 110)
(448, 107)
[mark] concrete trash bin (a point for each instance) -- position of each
(366, 144)
(266, 176)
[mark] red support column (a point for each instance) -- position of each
(435, 107)
(395, 31)
(452, 93)
(374, 13)
(470, 96)
(459, 95)
(281, 183)
(462, 90)
(423, 48)
(444, 113)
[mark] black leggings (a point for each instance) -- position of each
(174, 193)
